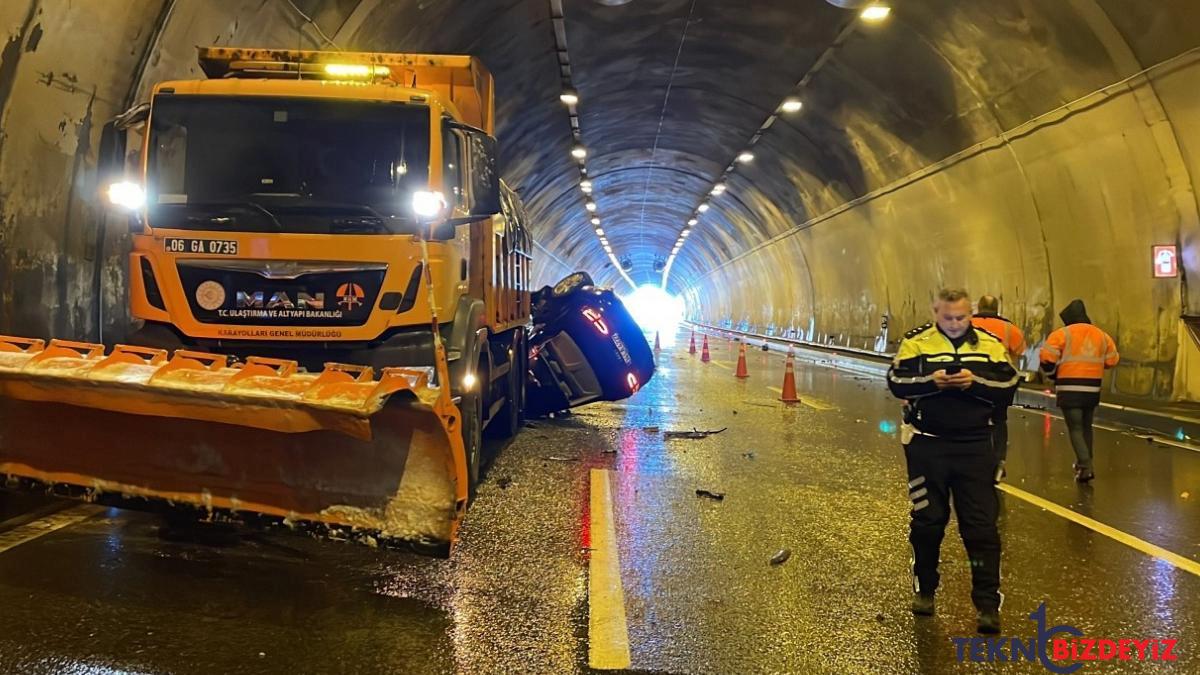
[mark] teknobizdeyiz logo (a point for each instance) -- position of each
(1062, 649)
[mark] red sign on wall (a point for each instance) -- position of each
(1166, 262)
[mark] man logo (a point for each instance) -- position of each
(350, 296)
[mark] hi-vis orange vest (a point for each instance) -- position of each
(1079, 354)
(1004, 329)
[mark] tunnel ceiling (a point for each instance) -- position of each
(671, 91)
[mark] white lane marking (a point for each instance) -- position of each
(43, 526)
(608, 635)
(1107, 530)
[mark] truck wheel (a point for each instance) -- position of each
(510, 418)
(572, 283)
(471, 406)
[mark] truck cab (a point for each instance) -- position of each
(283, 208)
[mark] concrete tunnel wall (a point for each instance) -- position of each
(1008, 146)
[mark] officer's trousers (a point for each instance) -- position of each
(942, 472)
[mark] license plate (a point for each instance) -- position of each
(204, 246)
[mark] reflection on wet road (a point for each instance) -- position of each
(823, 479)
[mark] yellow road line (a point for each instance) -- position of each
(1128, 539)
(43, 526)
(723, 365)
(814, 403)
(608, 636)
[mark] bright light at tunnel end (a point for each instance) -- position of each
(655, 310)
(876, 13)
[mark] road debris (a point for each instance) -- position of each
(693, 434)
(709, 494)
(559, 458)
(650, 430)
(781, 556)
(748, 455)
(504, 482)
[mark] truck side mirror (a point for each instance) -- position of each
(116, 170)
(484, 178)
(110, 166)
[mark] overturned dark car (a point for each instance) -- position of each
(585, 347)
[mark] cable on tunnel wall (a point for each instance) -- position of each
(571, 99)
(1079, 104)
(718, 187)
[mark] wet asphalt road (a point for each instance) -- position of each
(824, 479)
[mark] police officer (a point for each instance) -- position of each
(951, 377)
(987, 316)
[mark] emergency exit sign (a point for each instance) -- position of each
(1166, 262)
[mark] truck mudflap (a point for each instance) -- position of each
(340, 448)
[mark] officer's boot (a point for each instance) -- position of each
(923, 604)
(988, 621)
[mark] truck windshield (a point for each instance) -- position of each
(303, 165)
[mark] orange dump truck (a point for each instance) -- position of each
(332, 287)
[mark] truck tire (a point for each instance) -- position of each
(471, 406)
(511, 416)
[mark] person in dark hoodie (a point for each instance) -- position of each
(1075, 357)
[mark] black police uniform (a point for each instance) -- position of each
(947, 445)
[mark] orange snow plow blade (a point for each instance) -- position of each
(340, 448)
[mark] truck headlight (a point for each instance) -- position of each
(428, 203)
(127, 195)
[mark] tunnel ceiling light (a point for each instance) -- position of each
(600, 231)
(746, 157)
(607, 249)
(702, 208)
(569, 96)
(587, 190)
(693, 222)
(792, 105)
(579, 152)
(590, 206)
(585, 185)
(685, 233)
(595, 221)
(719, 188)
(876, 13)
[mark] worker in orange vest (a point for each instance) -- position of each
(987, 316)
(1076, 356)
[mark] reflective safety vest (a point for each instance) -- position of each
(1004, 329)
(952, 414)
(1077, 356)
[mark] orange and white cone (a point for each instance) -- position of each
(657, 345)
(741, 365)
(692, 345)
(789, 381)
(704, 357)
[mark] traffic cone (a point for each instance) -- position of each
(741, 366)
(789, 381)
(657, 346)
(692, 345)
(704, 357)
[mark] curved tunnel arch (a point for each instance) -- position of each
(897, 177)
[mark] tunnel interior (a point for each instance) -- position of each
(1036, 151)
